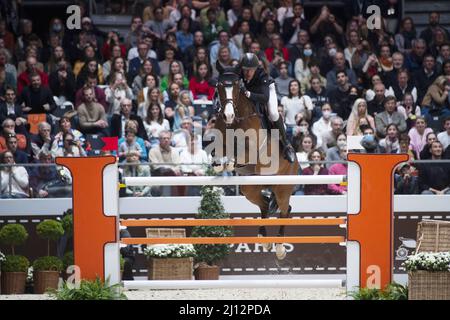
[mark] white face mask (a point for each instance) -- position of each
(326, 114)
(332, 52)
(341, 144)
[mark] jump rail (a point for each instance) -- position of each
(230, 181)
(230, 240)
(232, 222)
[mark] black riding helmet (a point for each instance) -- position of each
(249, 61)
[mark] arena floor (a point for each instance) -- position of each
(219, 294)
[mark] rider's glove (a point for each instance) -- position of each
(247, 94)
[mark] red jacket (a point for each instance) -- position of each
(201, 88)
(270, 53)
(23, 80)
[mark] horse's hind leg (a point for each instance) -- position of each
(253, 194)
(282, 195)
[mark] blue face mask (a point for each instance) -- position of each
(307, 52)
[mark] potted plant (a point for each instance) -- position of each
(47, 269)
(170, 261)
(429, 276)
(207, 255)
(14, 267)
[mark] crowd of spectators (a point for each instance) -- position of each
(335, 78)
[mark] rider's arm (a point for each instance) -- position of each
(261, 97)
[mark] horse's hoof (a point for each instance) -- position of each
(280, 251)
(218, 168)
(265, 245)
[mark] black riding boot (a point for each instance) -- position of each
(288, 150)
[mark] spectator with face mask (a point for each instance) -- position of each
(333, 153)
(323, 124)
(302, 64)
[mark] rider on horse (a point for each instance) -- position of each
(260, 89)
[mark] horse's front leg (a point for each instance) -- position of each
(282, 195)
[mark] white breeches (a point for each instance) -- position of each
(273, 104)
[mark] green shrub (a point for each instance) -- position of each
(67, 224)
(13, 235)
(48, 263)
(68, 259)
(49, 230)
(15, 264)
(211, 207)
(393, 291)
(90, 290)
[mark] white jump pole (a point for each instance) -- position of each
(230, 284)
(240, 180)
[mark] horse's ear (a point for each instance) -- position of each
(237, 69)
(219, 67)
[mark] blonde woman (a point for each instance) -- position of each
(359, 114)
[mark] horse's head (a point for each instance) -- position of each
(228, 87)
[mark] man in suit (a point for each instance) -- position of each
(425, 76)
(118, 121)
(37, 98)
(385, 118)
(293, 25)
(12, 110)
(136, 63)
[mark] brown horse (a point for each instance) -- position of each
(236, 112)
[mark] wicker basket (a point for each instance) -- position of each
(170, 268)
(427, 285)
(433, 236)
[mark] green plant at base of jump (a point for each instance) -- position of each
(13, 235)
(50, 230)
(48, 263)
(122, 263)
(211, 207)
(15, 264)
(393, 291)
(89, 290)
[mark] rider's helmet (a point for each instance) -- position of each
(249, 61)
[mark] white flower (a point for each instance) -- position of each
(170, 251)
(429, 261)
(2, 257)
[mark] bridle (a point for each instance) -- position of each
(227, 83)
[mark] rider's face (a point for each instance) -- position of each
(249, 74)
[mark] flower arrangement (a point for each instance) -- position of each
(170, 251)
(428, 261)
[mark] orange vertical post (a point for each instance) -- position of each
(373, 226)
(92, 229)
